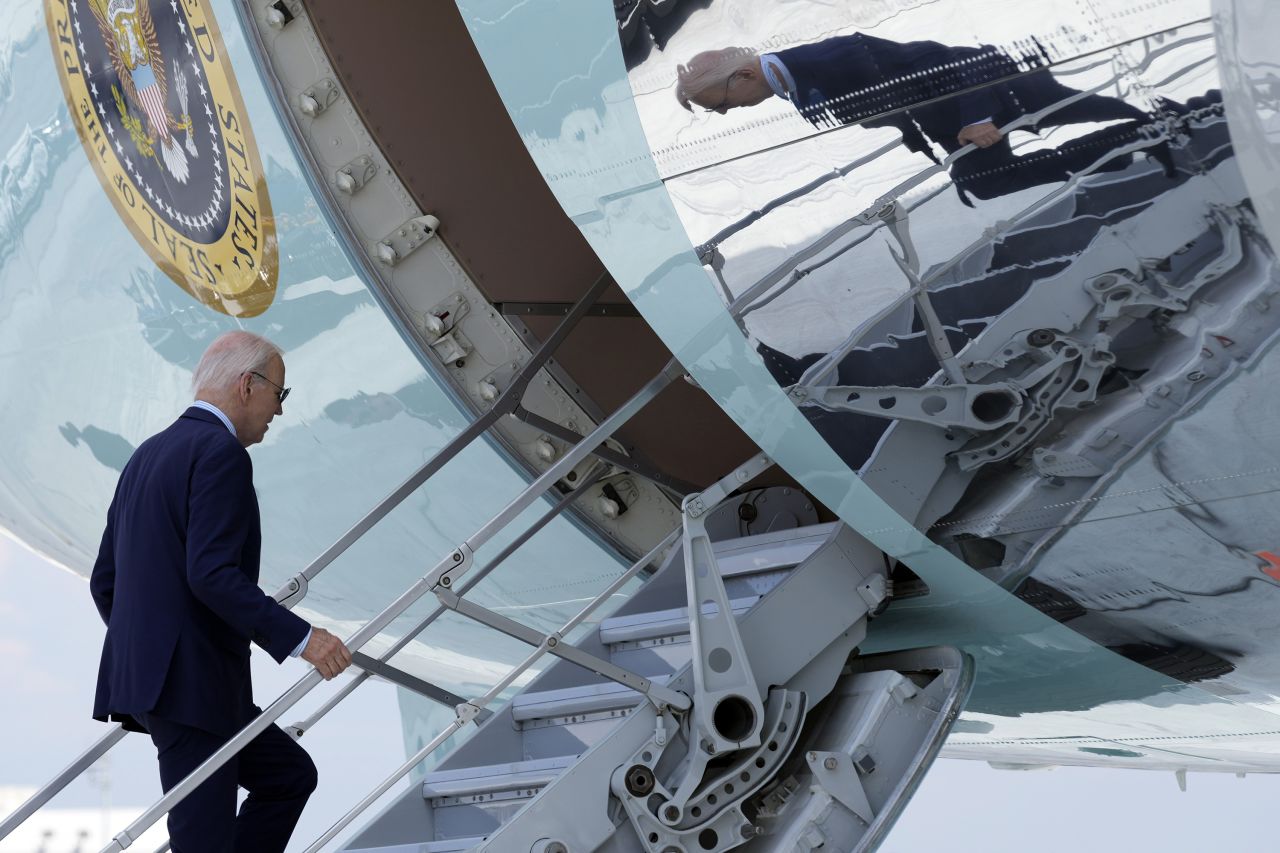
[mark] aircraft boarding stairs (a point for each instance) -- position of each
(556, 768)
(670, 728)
(661, 731)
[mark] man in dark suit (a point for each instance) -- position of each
(176, 581)
(927, 91)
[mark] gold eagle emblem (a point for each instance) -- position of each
(134, 51)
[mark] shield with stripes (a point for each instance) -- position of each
(152, 98)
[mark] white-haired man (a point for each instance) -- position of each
(176, 581)
(928, 91)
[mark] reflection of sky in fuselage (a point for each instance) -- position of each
(96, 349)
(1036, 675)
(823, 308)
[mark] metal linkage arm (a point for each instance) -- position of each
(977, 407)
(728, 710)
(373, 666)
(554, 643)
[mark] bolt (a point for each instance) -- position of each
(446, 581)
(813, 756)
(457, 557)
(552, 642)
(830, 763)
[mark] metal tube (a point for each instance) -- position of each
(799, 192)
(626, 463)
(53, 786)
(286, 701)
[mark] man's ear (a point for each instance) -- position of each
(246, 380)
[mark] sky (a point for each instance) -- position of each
(50, 641)
(50, 638)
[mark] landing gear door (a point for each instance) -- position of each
(866, 749)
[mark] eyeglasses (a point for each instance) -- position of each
(723, 106)
(281, 395)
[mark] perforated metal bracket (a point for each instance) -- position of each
(976, 407)
(1067, 376)
(713, 817)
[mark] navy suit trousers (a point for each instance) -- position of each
(273, 768)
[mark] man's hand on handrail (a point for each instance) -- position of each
(326, 653)
(984, 134)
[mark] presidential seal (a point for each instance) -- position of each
(159, 113)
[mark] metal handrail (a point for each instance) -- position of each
(297, 730)
(300, 728)
(1052, 65)
(493, 692)
(839, 172)
(819, 369)
(747, 301)
(295, 589)
(456, 562)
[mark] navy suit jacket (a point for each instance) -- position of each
(922, 85)
(176, 581)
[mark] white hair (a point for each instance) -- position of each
(710, 69)
(229, 357)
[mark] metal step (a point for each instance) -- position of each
(471, 802)
(575, 701)
(660, 623)
(453, 845)
(572, 719)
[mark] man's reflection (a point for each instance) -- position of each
(927, 91)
